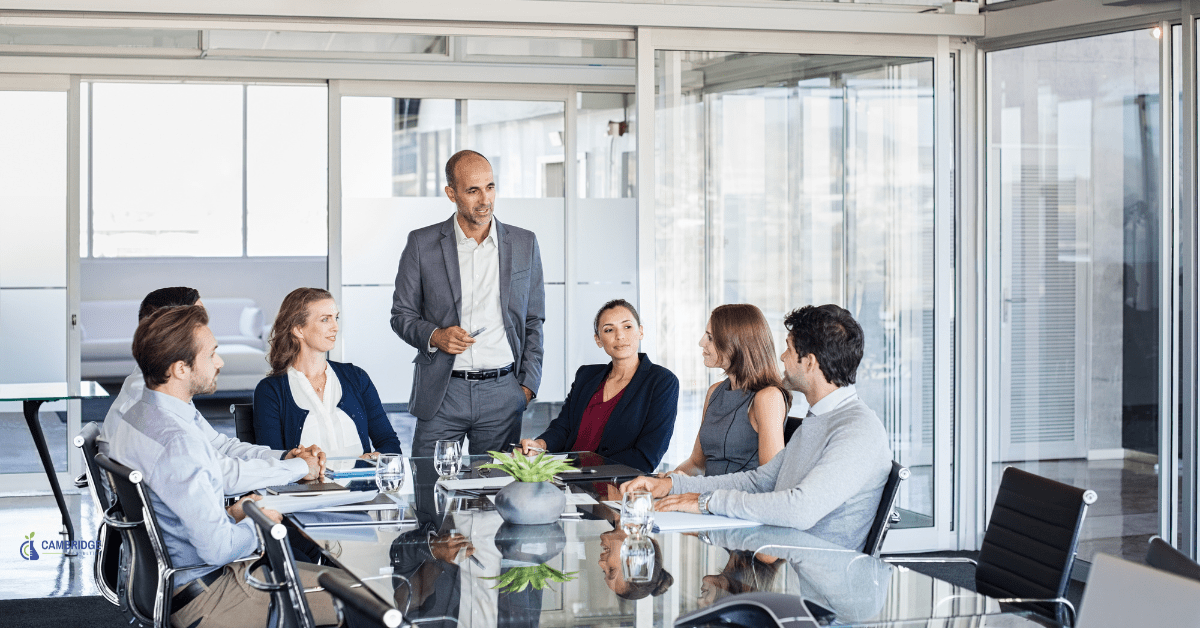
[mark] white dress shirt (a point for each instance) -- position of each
(479, 271)
(833, 400)
(244, 467)
(326, 426)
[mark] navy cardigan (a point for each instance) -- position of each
(278, 420)
(639, 428)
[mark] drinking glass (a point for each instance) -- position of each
(447, 458)
(637, 512)
(637, 559)
(389, 472)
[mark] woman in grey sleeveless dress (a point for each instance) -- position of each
(744, 414)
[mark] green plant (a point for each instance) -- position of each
(539, 577)
(523, 469)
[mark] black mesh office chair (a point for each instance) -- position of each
(1161, 555)
(790, 425)
(885, 515)
(357, 606)
(243, 422)
(1030, 543)
(106, 567)
(149, 581)
(289, 608)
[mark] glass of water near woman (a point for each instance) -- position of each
(447, 458)
(389, 473)
(637, 512)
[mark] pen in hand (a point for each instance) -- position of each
(477, 332)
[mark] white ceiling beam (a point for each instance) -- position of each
(1060, 19)
(785, 16)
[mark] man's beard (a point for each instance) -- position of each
(207, 387)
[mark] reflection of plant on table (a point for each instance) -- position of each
(538, 576)
(524, 469)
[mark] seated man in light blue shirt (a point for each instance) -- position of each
(829, 478)
(244, 467)
(162, 435)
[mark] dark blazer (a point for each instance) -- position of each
(278, 420)
(639, 428)
(428, 297)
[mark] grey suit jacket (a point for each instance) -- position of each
(429, 297)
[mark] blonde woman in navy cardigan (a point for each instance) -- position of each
(306, 398)
(624, 410)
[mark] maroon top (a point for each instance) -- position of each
(595, 417)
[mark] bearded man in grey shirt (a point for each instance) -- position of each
(829, 478)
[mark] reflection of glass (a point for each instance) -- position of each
(637, 512)
(808, 180)
(637, 559)
(447, 458)
(389, 473)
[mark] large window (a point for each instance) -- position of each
(199, 170)
(790, 180)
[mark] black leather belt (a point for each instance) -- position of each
(194, 589)
(488, 374)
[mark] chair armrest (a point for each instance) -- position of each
(112, 522)
(260, 585)
(81, 481)
(949, 559)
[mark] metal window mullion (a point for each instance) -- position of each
(74, 290)
(570, 222)
(245, 167)
(334, 203)
(1168, 391)
(646, 185)
(1188, 287)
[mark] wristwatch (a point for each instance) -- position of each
(702, 501)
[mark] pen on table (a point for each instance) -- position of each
(477, 332)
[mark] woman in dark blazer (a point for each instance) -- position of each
(308, 399)
(624, 410)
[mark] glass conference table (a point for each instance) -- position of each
(439, 555)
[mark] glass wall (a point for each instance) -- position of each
(1075, 162)
(33, 265)
(394, 152)
(789, 180)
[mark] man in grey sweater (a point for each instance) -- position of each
(829, 478)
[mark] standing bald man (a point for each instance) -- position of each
(469, 297)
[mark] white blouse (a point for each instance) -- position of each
(327, 426)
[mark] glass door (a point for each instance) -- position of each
(783, 180)
(1075, 178)
(394, 148)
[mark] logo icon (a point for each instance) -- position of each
(27, 551)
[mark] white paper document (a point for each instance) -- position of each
(499, 481)
(686, 521)
(573, 499)
(313, 501)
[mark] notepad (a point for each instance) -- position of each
(687, 521)
(500, 481)
(285, 504)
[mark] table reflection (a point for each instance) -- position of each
(450, 560)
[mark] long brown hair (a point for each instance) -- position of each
(293, 313)
(741, 334)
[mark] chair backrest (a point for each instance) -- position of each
(1161, 555)
(1121, 593)
(107, 564)
(360, 607)
(887, 505)
(243, 422)
(147, 556)
(1029, 546)
(288, 605)
(790, 425)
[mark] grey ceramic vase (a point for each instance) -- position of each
(530, 503)
(533, 545)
